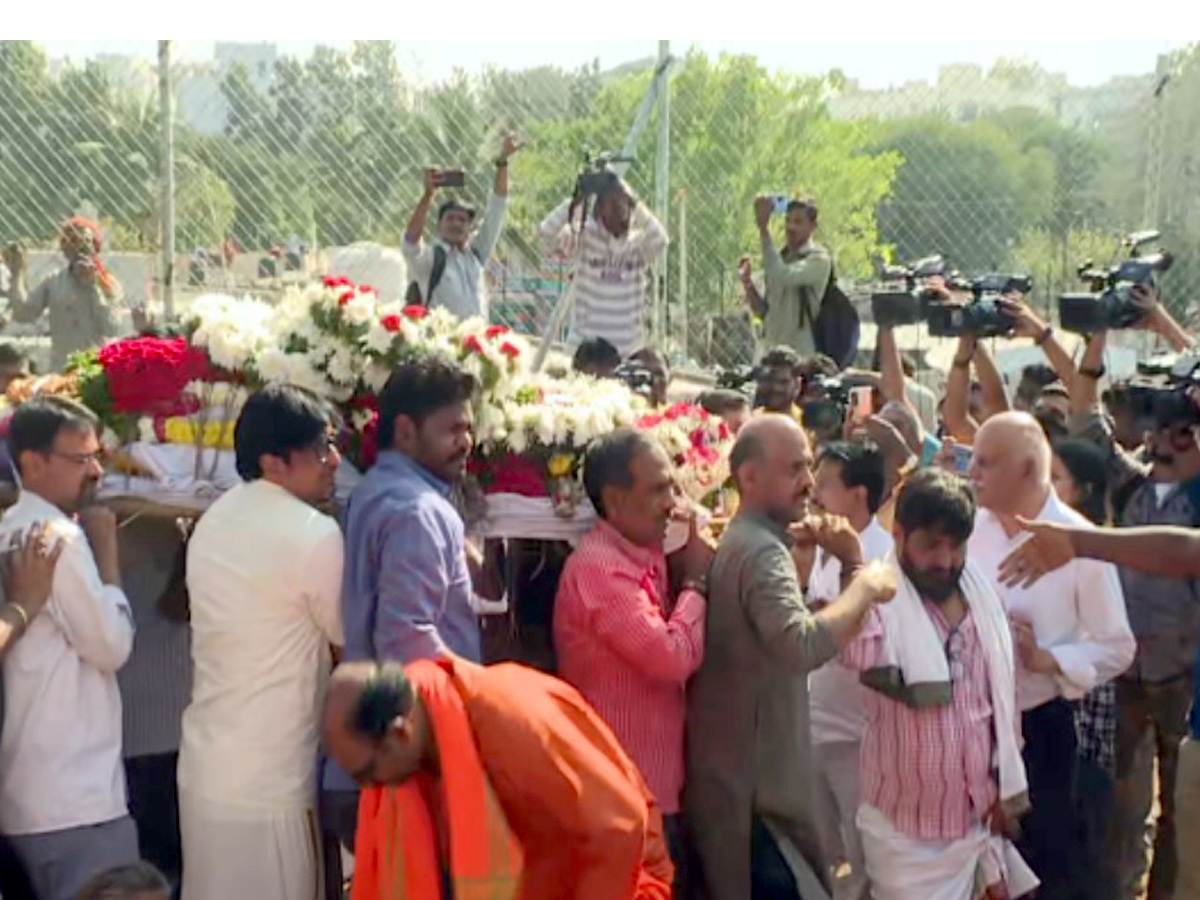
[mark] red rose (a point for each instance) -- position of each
(345, 297)
(651, 421)
(724, 432)
(149, 374)
(333, 281)
(414, 311)
(473, 344)
(391, 323)
(366, 289)
(509, 349)
(495, 331)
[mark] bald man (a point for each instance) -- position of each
(528, 788)
(748, 796)
(1070, 632)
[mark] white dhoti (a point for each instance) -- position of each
(903, 868)
(231, 852)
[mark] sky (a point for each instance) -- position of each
(874, 64)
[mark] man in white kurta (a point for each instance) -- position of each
(264, 579)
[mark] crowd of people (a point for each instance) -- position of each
(917, 662)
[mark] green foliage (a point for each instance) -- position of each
(94, 394)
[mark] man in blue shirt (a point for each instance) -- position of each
(407, 589)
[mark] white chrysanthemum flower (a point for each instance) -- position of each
(376, 376)
(360, 309)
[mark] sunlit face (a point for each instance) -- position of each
(441, 443)
(932, 561)
(799, 226)
(777, 389)
(311, 472)
(831, 492)
(642, 511)
(781, 482)
(455, 227)
(67, 475)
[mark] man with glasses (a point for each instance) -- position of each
(62, 785)
(264, 576)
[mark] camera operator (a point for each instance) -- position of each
(596, 357)
(1162, 488)
(621, 240)
(795, 280)
(450, 271)
(654, 363)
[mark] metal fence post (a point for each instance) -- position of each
(167, 178)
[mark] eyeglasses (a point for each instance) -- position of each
(325, 449)
(80, 459)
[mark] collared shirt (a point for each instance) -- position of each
(1164, 613)
(834, 690)
(407, 590)
(80, 315)
(1077, 611)
(462, 288)
(264, 575)
(791, 279)
(60, 754)
(929, 769)
(629, 652)
(611, 278)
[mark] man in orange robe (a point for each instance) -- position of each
(488, 783)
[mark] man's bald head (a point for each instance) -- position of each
(772, 465)
(1011, 463)
(372, 723)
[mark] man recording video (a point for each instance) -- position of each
(1158, 485)
(449, 271)
(795, 280)
(614, 249)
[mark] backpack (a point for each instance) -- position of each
(835, 328)
(413, 295)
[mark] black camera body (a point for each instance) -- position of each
(1109, 304)
(737, 378)
(636, 377)
(824, 405)
(596, 175)
(907, 306)
(1159, 393)
(983, 316)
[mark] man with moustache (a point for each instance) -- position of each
(1071, 633)
(264, 576)
(748, 793)
(941, 768)
(62, 783)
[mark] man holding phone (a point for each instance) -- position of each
(449, 271)
(795, 279)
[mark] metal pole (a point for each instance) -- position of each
(683, 272)
(662, 187)
(167, 174)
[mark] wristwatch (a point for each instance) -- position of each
(1041, 339)
(501, 162)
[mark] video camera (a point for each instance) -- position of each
(825, 401)
(896, 307)
(636, 377)
(1160, 390)
(737, 378)
(1110, 305)
(983, 316)
(596, 174)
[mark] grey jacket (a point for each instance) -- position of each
(1164, 613)
(749, 749)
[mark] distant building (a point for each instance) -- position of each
(198, 87)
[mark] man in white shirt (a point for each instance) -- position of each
(449, 272)
(614, 246)
(264, 574)
(1070, 630)
(849, 483)
(62, 783)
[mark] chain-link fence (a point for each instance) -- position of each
(281, 163)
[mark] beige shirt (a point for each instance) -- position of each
(81, 316)
(264, 576)
(790, 278)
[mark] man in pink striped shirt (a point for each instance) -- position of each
(930, 791)
(621, 639)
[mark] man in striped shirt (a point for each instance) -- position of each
(621, 639)
(616, 247)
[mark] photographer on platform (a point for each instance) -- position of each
(795, 279)
(621, 240)
(1164, 613)
(449, 272)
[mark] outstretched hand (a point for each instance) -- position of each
(1049, 547)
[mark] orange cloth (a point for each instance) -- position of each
(587, 826)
